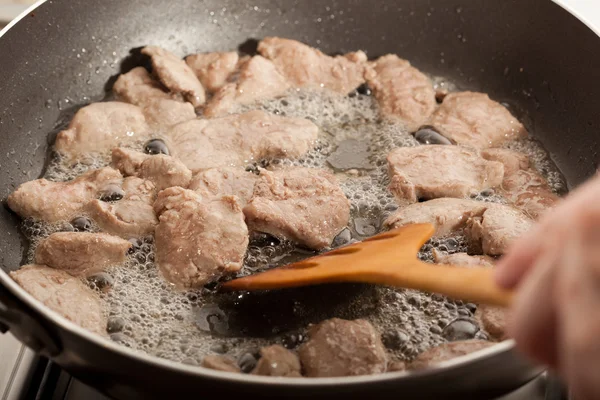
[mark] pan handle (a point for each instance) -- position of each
(16, 317)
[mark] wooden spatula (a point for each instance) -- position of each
(388, 259)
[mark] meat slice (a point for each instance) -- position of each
(402, 91)
(306, 67)
(225, 181)
(338, 347)
(463, 260)
(473, 119)
(432, 171)
(237, 140)
(304, 205)
(81, 253)
(162, 170)
(258, 80)
(63, 294)
(50, 201)
(446, 352)
(137, 86)
(276, 360)
(176, 75)
(213, 69)
(523, 186)
(132, 216)
(162, 114)
(197, 240)
(100, 127)
(447, 215)
(220, 363)
(492, 320)
(497, 228)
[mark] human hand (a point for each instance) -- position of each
(555, 269)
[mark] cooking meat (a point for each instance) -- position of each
(162, 114)
(220, 363)
(225, 181)
(431, 171)
(304, 205)
(307, 67)
(523, 186)
(137, 86)
(198, 240)
(213, 69)
(492, 320)
(81, 253)
(50, 201)
(63, 294)
(176, 75)
(100, 127)
(162, 170)
(276, 360)
(473, 119)
(497, 228)
(447, 215)
(258, 79)
(463, 259)
(446, 352)
(132, 216)
(401, 90)
(237, 140)
(338, 347)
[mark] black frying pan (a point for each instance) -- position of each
(530, 53)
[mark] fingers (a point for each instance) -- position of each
(518, 260)
(577, 311)
(533, 320)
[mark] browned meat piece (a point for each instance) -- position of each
(396, 366)
(492, 320)
(49, 201)
(176, 75)
(497, 228)
(162, 114)
(258, 80)
(197, 240)
(100, 127)
(474, 120)
(523, 186)
(340, 347)
(162, 170)
(220, 363)
(463, 260)
(137, 86)
(81, 253)
(63, 294)
(307, 67)
(132, 216)
(213, 69)
(447, 215)
(446, 352)
(432, 171)
(513, 161)
(276, 360)
(401, 90)
(304, 205)
(239, 139)
(226, 181)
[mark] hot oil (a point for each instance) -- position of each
(148, 314)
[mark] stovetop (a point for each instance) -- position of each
(25, 376)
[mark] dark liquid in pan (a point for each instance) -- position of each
(147, 315)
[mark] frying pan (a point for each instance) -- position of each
(63, 54)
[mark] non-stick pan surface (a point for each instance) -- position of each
(530, 53)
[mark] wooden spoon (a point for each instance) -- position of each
(388, 259)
